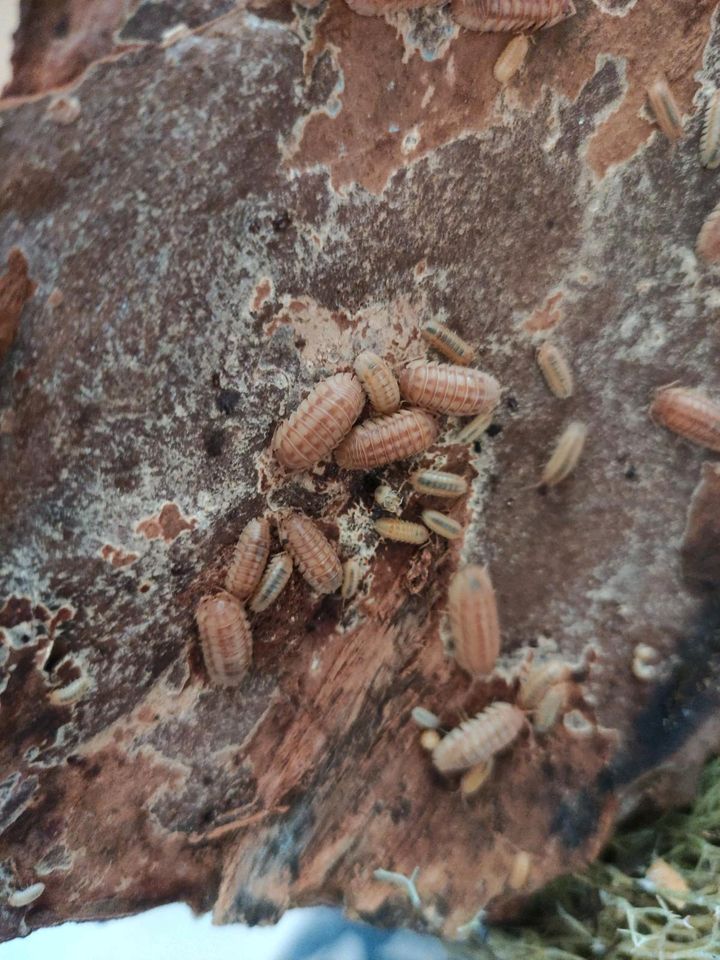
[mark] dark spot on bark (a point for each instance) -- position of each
(281, 222)
(61, 26)
(631, 473)
(512, 404)
(227, 401)
(477, 447)
(494, 429)
(214, 442)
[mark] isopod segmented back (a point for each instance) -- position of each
(478, 740)
(315, 556)
(474, 624)
(448, 388)
(225, 637)
(249, 559)
(499, 16)
(381, 441)
(447, 342)
(689, 413)
(274, 581)
(379, 381)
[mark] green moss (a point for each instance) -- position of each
(612, 912)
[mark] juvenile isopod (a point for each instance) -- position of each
(438, 483)
(520, 870)
(320, 422)
(511, 59)
(442, 524)
(388, 499)
(376, 442)
(556, 370)
(225, 637)
(664, 878)
(552, 704)
(21, 898)
(539, 678)
(447, 342)
(498, 16)
(566, 454)
(402, 530)
(274, 581)
(690, 414)
(429, 739)
(249, 559)
(352, 576)
(708, 241)
(710, 139)
(425, 718)
(646, 665)
(315, 556)
(379, 381)
(664, 106)
(476, 777)
(472, 610)
(478, 740)
(448, 388)
(473, 430)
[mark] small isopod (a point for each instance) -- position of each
(538, 679)
(710, 139)
(708, 241)
(447, 342)
(478, 740)
(274, 581)
(225, 637)
(551, 706)
(352, 576)
(476, 777)
(645, 664)
(388, 499)
(320, 422)
(379, 381)
(249, 559)
(448, 388)
(556, 370)
(566, 454)
(472, 610)
(473, 430)
(21, 898)
(386, 439)
(520, 870)
(438, 483)
(499, 16)
(511, 59)
(442, 524)
(690, 414)
(664, 106)
(429, 739)
(666, 879)
(425, 718)
(315, 556)
(402, 530)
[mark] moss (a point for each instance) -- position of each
(613, 912)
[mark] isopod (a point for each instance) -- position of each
(442, 524)
(538, 680)
(478, 740)
(511, 59)
(499, 16)
(388, 499)
(476, 777)
(274, 581)
(438, 483)
(645, 664)
(21, 898)
(472, 610)
(315, 556)
(71, 692)
(708, 241)
(520, 870)
(352, 575)
(664, 106)
(473, 430)
(447, 342)
(376, 442)
(402, 530)
(425, 718)
(710, 139)
(551, 706)
(690, 414)
(666, 879)
(249, 559)
(448, 388)
(225, 637)
(320, 422)
(556, 370)
(379, 381)
(566, 455)
(429, 739)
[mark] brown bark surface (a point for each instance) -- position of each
(231, 217)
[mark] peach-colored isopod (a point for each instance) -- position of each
(690, 414)
(438, 483)
(664, 106)
(447, 342)
(555, 370)
(376, 442)
(551, 706)
(401, 530)
(476, 778)
(448, 388)
(538, 679)
(710, 139)
(499, 16)
(225, 637)
(708, 241)
(473, 430)
(511, 59)
(472, 610)
(315, 556)
(352, 577)
(249, 559)
(566, 454)
(276, 578)
(320, 422)
(379, 381)
(442, 524)
(478, 740)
